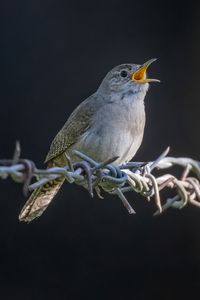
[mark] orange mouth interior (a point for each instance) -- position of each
(141, 74)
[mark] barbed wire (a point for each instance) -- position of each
(115, 179)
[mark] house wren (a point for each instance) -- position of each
(107, 124)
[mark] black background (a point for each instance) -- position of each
(53, 55)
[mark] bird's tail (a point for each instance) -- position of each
(40, 199)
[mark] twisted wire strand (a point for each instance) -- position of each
(115, 179)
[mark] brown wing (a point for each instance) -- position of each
(78, 122)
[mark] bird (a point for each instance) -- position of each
(109, 123)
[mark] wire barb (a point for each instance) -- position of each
(115, 179)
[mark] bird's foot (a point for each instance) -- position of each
(85, 166)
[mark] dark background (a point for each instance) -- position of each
(53, 55)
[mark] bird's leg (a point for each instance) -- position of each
(98, 191)
(87, 169)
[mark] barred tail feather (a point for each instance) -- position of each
(39, 200)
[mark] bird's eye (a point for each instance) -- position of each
(123, 73)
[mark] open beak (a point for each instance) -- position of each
(140, 75)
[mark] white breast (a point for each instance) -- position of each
(117, 130)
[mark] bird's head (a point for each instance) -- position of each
(128, 77)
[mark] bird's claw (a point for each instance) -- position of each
(87, 169)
